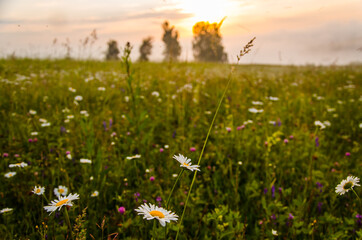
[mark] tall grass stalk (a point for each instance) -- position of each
(201, 154)
(243, 52)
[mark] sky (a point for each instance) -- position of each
(298, 32)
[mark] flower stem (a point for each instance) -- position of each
(68, 222)
(202, 152)
(360, 203)
(45, 198)
(169, 196)
(154, 229)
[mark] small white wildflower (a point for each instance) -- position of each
(83, 160)
(133, 157)
(47, 124)
(5, 210)
(319, 124)
(155, 94)
(61, 190)
(72, 89)
(186, 163)
(10, 174)
(38, 190)
(273, 98)
(95, 194)
(78, 98)
(257, 103)
(22, 164)
(254, 110)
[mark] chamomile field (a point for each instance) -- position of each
(114, 150)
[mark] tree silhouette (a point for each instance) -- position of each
(170, 38)
(206, 45)
(145, 49)
(112, 51)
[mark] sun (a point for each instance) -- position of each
(205, 10)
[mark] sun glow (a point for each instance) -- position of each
(206, 10)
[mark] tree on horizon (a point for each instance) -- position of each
(145, 49)
(206, 45)
(172, 46)
(112, 51)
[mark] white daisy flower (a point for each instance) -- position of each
(102, 89)
(186, 162)
(83, 160)
(257, 103)
(274, 232)
(153, 212)
(61, 190)
(78, 98)
(22, 164)
(70, 116)
(38, 190)
(254, 110)
(133, 157)
(47, 124)
(320, 124)
(32, 112)
(347, 184)
(43, 120)
(62, 201)
(69, 156)
(155, 94)
(10, 174)
(5, 210)
(327, 123)
(273, 98)
(34, 133)
(95, 194)
(85, 113)
(72, 89)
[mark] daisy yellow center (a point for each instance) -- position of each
(38, 190)
(61, 202)
(17, 164)
(185, 164)
(61, 190)
(347, 185)
(156, 213)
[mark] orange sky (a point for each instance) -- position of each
(287, 31)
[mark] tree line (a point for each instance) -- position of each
(206, 44)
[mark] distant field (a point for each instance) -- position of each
(284, 138)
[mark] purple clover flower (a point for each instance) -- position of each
(317, 141)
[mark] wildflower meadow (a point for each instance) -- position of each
(140, 150)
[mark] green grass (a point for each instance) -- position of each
(228, 199)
